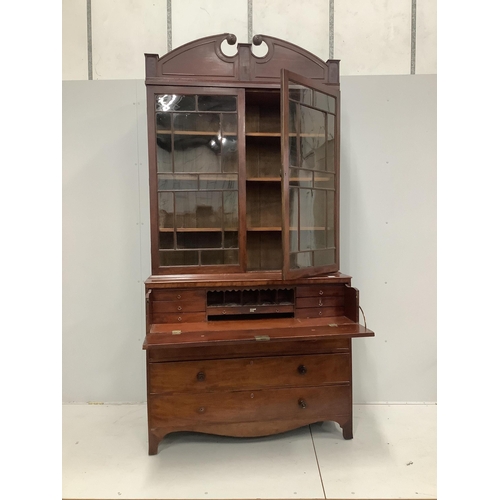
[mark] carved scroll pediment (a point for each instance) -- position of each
(204, 60)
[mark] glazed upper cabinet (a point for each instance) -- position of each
(243, 174)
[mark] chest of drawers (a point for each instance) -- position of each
(254, 376)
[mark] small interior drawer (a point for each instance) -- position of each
(180, 294)
(320, 291)
(322, 301)
(318, 312)
(178, 317)
(178, 306)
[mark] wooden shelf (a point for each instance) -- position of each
(264, 179)
(273, 228)
(308, 229)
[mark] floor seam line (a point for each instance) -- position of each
(317, 463)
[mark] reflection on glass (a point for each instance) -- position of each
(294, 219)
(229, 124)
(324, 257)
(324, 101)
(301, 94)
(301, 260)
(312, 139)
(216, 103)
(165, 210)
(330, 219)
(323, 180)
(196, 122)
(218, 257)
(177, 182)
(179, 258)
(218, 182)
(230, 209)
(163, 154)
(301, 178)
(172, 102)
(198, 210)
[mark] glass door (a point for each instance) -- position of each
(310, 159)
(197, 181)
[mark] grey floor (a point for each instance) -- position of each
(392, 455)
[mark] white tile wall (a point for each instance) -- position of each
(198, 18)
(74, 40)
(426, 46)
(303, 23)
(373, 37)
(122, 32)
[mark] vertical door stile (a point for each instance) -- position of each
(242, 204)
(285, 159)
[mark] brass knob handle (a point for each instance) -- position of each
(178, 296)
(302, 369)
(320, 313)
(179, 318)
(201, 376)
(179, 308)
(320, 302)
(321, 292)
(302, 403)
(201, 409)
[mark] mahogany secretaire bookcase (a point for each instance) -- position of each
(248, 320)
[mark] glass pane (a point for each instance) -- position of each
(312, 219)
(330, 219)
(172, 102)
(310, 239)
(163, 123)
(196, 153)
(218, 182)
(323, 180)
(229, 155)
(331, 144)
(301, 94)
(324, 257)
(196, 122)
(199, 240)
(230, 239)
(300, 260)
(165, 210)
(231, 210)
(179, 258)
(163, 153)
(324, 101)
(176, 182)
(229, 124)
(302, 178)
(167, 240)
(294, 219)
(312, 139)
(218, 257)
(216, 103)
(198, 210)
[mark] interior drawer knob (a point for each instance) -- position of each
(321, 292)
(201, 376)
(178, 296)
(302, 369)
(179, 308)
(302, 403)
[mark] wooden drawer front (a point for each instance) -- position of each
(245, 350)
(319, 312)
(178, 306)
(319, 302)
(180, 317)
(199, 295)
(314, 403)
(249, 373)
(320, 291)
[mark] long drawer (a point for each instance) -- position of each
(249, 373)
(312, 403)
